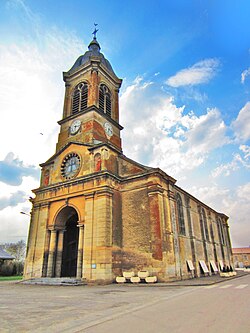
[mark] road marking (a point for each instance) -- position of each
(241, 286)
(226, 286)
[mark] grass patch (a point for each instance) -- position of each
(11, 278)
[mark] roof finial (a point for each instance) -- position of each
(95, 31)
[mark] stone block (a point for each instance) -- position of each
(135, 279)
(224, 275)
(128, 275)
(143, 274)
(151, 279)
(120, 279)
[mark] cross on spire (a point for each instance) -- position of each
(95, 31)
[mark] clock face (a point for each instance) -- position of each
(108, 129)
(70, 166)
(75, 126)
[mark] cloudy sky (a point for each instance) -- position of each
(184, 103)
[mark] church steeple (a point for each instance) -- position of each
(91, 106)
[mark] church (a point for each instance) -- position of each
(97, 213)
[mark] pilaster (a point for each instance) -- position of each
(156, 220)
(80, 270)
(172, 204)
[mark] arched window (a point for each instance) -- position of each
(181, 221)
(105, 100)
(80, 98)
(204, 222)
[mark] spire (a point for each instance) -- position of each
(93, 51)
(94, 45)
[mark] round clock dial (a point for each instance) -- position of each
(70, 166)
(108, 129)
(75, 126)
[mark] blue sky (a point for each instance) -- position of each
(184, 102)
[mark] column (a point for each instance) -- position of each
(67, 101)
(59, 253)
(52, 251)
(79, 271)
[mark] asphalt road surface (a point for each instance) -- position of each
(217, 308)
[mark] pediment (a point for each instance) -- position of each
(62, 150)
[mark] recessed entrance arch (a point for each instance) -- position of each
(67, 219)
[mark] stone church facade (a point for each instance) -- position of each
(98, 213)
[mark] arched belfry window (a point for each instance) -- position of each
(105, 100)
(80, 97)
(180, 213)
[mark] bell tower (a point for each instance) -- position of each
(91, 105)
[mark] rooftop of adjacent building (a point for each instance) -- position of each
(241, 250)
(5, 255)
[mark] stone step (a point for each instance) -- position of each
(64, 281)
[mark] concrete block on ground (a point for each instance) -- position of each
(143, 274)
(135, 279)
(120, 279)
(151, 279)
(224, 275)
(128, 275)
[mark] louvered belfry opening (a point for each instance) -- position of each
(80, 98)
(105, 100)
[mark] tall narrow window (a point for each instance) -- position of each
(220, 231)
(80, 98)
(204, 220)
(105, 100)
(180, 215)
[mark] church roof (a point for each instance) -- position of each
(94, 51)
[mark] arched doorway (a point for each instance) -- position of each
(68, 219)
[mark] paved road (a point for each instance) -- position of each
(222, 307)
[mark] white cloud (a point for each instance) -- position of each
(207, 132)
(244, 74)
(241, 125)
(246, 150)
(227, 168)
(160, 134)
(243, 192)
(201, 72)
(239, 160)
